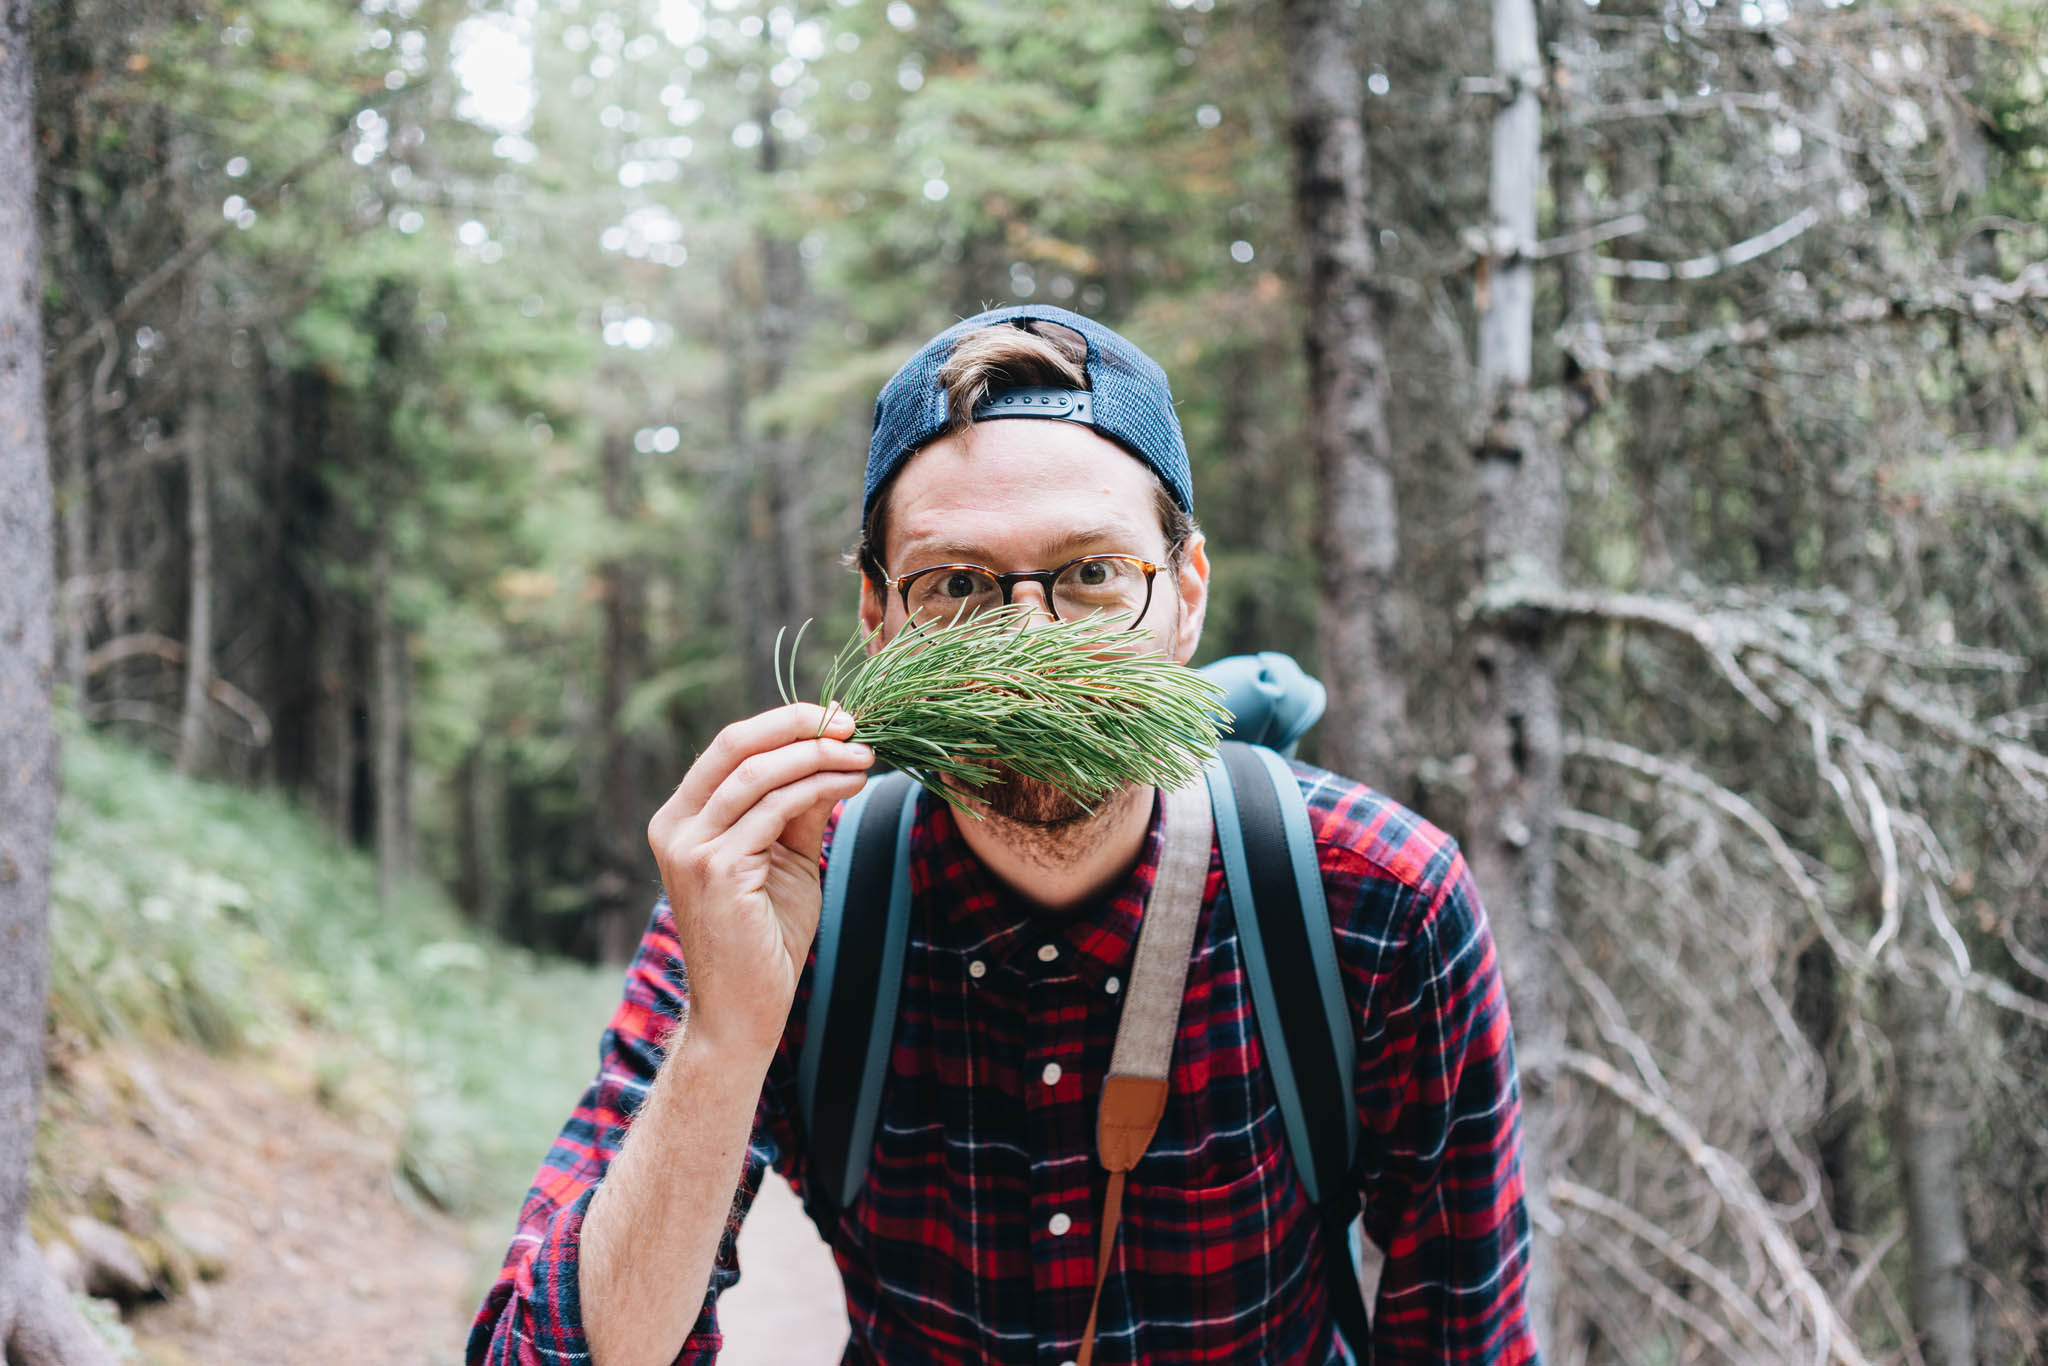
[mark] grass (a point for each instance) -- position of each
(230, 919)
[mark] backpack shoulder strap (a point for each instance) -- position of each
(1283, 923)
(863, 925)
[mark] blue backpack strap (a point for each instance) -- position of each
(863, 926)
(1283, 923)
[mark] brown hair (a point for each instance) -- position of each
(1008, 356)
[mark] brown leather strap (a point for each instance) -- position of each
(1112, 1214)
(1134, 1093)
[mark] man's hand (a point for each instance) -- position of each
(738, 847)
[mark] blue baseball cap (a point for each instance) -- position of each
(1127, 401)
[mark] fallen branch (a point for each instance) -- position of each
(149, 644)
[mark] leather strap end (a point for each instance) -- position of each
(1130, 1114)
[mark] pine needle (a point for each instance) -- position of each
(1069, 703)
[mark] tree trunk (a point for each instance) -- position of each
(75, 603)
(1930, 1136)
(192, 722)
(37, 1322)
(619, 889)
(777, 554)
(387, 726)
(1517, 781)
(1357, 540)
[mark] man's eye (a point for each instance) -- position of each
(1094, 574)
(958, 584)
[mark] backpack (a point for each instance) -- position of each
(1283, 923)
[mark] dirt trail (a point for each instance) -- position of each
(320, 1256)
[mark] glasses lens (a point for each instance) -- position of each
(950, 592)
(1102, 583)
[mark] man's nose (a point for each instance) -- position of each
(1033, 595)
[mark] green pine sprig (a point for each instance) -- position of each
(1070, 703)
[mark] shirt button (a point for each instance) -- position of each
(1112, 986)
(1059, 1224)
(977, 968)
(1047, 952)
(1051, 1074)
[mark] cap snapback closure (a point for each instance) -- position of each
(1070, 405)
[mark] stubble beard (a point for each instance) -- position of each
(1044, 824)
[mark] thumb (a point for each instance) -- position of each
(805, 833)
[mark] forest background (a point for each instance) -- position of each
(1629, 409)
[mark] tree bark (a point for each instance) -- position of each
(1357, 537)
(37, 1321)
(1930, 1136)
(193, 731)
(1517, 745)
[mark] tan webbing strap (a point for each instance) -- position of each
(1134, 1093)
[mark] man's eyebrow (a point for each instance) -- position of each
(1060, 548)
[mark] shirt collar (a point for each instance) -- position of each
(974, 915)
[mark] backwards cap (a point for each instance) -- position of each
(1127, 401)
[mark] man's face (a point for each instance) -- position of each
(1027, 494)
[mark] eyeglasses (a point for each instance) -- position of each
(1079, 588)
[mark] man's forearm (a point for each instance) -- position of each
(651, 1236)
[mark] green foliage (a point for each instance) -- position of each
(225, 918)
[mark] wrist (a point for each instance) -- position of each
(739, 1052)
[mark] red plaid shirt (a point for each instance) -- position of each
(974, 1237)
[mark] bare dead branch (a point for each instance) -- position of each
(2006, 997)
(1978, 298)
(1744, 814)
(2021, 954)
(1712, 634)
(1714, 262)
(1740, 1304)
(1624, 1264)
(1888, 860)
(1739, 1196)
(1611, 1019)
(1721, 101)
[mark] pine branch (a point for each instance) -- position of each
(1069, 703)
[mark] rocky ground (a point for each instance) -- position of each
(245, 1223)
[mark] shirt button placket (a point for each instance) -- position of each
(1063, 1147)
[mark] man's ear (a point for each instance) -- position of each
(1192, 585)
(874, 605)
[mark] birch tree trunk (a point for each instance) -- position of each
(1512, 835)
(1357, 537)
(38, 1326)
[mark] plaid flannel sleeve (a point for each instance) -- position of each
(1440, 1111)
(532, 1315)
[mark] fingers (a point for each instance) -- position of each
(743, 739)
(795, 814)
(760, 774)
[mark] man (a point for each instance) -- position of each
(974, 1236)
